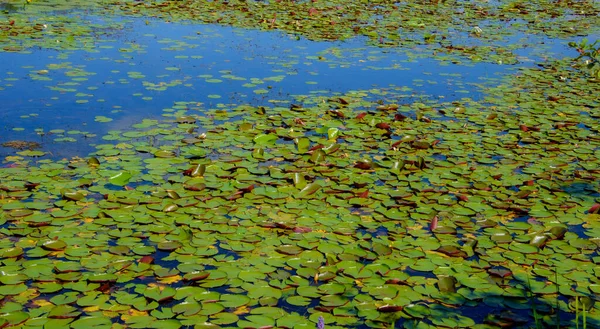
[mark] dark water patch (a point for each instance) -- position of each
(424, 274)
(373, 232)
(583, 189)
(162, 258)
(226, 254)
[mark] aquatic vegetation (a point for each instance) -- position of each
(590, 53)
(49, 25)
(323, 205)
(443, 28)
(21, 145)
(321, 323)
(368, 208)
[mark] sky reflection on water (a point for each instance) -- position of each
(141, 71)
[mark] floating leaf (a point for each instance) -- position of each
(308, 190)
(159, 294)
(54, 245)
(317, 156)
(121, 178)
(265, 139)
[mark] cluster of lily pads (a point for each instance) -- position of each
(475, 31)
(350, 207)
(365, 208)
(48, 25)
(383, 22)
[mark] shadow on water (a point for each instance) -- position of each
(582, 189)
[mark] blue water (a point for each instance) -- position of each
(47, 91)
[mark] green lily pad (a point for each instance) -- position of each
(159, 293)
(121, 178)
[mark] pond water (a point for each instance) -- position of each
(141, 70)
(296, 164)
